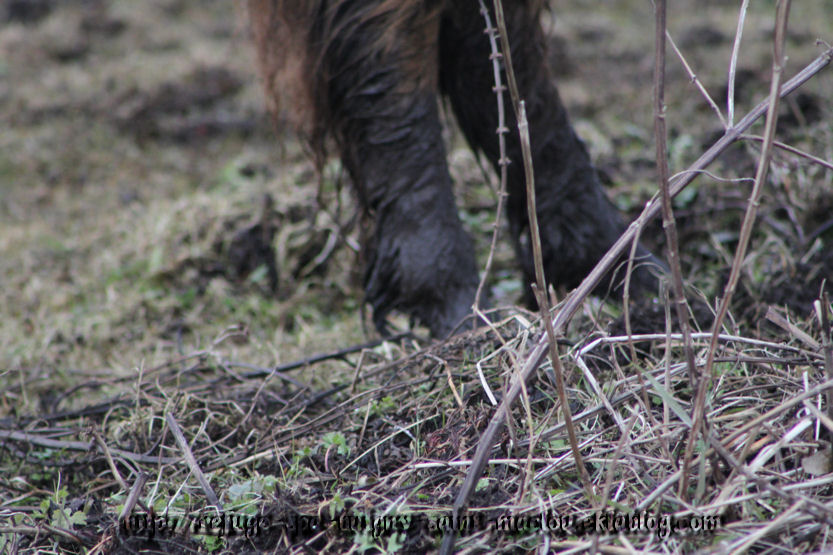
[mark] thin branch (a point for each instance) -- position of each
(697, 83)
(495, 57)
(677, 184)
(133, 497)
(733, 63)
(106, 450)
(823, 309)
(85, 446)
(541, 294)
(792, 150)
(173, 425)
(258, 372)
(537, 253)
(668, 222)
(479, 460)
(781, 18)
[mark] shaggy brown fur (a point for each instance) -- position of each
(367, 74)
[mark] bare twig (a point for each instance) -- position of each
(782, 15)
(339, 354)
(791, 328)
(677, 184)
(107, 455)
(541, 290)
(792, 150)
(85, 446)
(38, 530)
(133, 497)
(697, 83)
(614, 460)
(733, 64)
(481, 455)
(668, 222)
(173, 425)
(827, 343)
(495, 57)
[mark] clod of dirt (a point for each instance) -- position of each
(798, 287)
(68, 48)
(174, 544)
(31, 12)
(239, 250)
(26, 11)
(251, 248)
(98, 22)
(793, 286)
(168, 111)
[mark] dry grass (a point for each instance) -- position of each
(134, 162)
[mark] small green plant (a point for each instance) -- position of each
(337, 440)
(212, 543)
(246, 495)
(365, 541)
(55, 511)
(383, 406)
(296, 467)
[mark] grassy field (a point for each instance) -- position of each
(164, 246)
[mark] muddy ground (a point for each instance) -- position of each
(151, 210)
